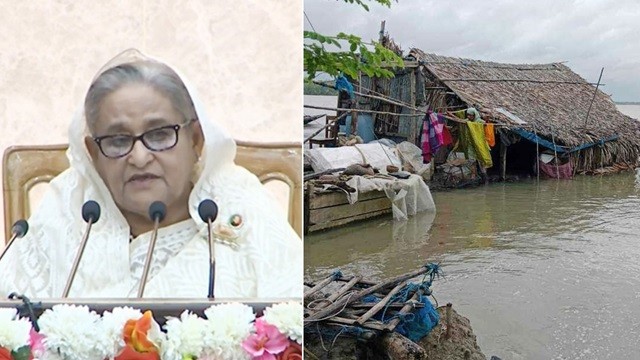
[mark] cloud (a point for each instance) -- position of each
(587, 34)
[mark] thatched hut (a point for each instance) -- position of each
(548, 104)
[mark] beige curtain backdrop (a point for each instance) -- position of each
(244, 57)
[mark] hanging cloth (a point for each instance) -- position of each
(446, 138)
(489, 134)
(435, 132)
(424, 141)
(478, 141)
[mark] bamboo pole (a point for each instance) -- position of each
(358, 110)
(391, 325)
(329, 123)
(555, 154)
(523, 80)
(414, 135)
(346, 287)
(594, 97)
(374, 310)
(319, 286)
(537, 155)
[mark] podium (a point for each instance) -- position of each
(161, 308)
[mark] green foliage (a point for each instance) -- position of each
(372, 59)
(360, 58)
(387, 3)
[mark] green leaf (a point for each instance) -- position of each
(22, 353)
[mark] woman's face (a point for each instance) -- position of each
(144, 176)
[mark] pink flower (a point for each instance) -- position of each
(36, 343)
(266, 342)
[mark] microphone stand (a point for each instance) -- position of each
(90, 214)
(208, 211)
(157, 217)
(18, 230)
(212, 261)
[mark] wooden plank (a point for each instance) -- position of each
(328, 214)
(340, 222)
(327, 199)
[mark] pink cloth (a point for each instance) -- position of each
(564, 171)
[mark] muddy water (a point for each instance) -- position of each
(547, 270)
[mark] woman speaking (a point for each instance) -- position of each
(141, 136)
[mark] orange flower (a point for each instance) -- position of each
(5, 354)
(293, 352)
(138, 346)
(129, 353)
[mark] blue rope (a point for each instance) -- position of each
(336, 274)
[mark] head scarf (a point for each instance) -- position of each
(475, 113)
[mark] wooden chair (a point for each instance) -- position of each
(26, 166)
(330, 134)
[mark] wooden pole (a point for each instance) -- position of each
(405, 309)
(374, 310)
(503, 160)
(594, 97)
(448, 321)
(346, 287)
(319, 286)
(555, 154)
(329, 123)
(537, 155)
(357, 110)
(413, 121)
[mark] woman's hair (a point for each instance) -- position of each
(158, 76)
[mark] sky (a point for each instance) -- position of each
(586, 35)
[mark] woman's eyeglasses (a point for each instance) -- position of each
(159, 139)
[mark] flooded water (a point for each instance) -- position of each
(630, 110)
(544, 270)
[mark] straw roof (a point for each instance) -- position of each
(550, 98)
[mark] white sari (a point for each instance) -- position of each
(260, 259)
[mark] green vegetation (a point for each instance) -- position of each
(370, 58)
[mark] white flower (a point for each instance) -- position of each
(185, 336)
(287, 317)
(14, 333)
(74, 333)
(227, 326)
(113, 325)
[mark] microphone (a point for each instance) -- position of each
(208, 211)
(157, 212)
(18, 230)
(90, 214)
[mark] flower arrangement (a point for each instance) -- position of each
(227, 331)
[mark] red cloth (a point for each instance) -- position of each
(564, 171)
(446, 137)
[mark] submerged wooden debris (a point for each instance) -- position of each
(344, 307)
(340, 323)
